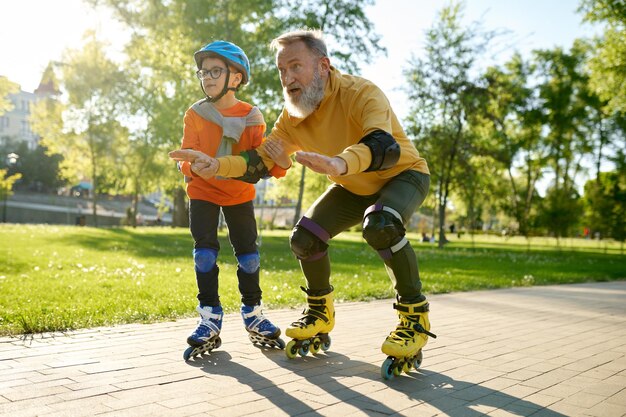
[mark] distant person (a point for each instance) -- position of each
(425, 238)
(343, 126)
(220, 125)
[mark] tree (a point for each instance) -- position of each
(39, 170)
(6, 189)
(348, 31)
(440, 88)
(605, 202)
(608, 64)
(182, 27)
(565, 112)
(85, 128)
(507, 120)
(6, 88)
(560, 211)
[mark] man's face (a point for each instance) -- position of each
(302, 75)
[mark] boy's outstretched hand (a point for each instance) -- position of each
(329, 165)
(201, 164)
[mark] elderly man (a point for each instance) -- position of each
(342, 126)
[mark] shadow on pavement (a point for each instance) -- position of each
(326, 371)
(220, 363)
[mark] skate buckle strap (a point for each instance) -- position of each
(316, 314)
(256, 322)
(255, 311)
(208, 315)
(316, 301)
(420, 329)
(424, 308)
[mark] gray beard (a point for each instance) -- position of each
(310, 98)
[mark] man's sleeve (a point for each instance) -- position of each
(236, 166)
(371, 110)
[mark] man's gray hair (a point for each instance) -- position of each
(312, 38)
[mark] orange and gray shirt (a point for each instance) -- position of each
(352, 108)
(220, 133)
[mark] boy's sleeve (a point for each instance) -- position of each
(191, 140)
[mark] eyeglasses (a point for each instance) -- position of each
(214, 73)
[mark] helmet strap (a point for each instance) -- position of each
(224, 90)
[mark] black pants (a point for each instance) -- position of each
(242, 232)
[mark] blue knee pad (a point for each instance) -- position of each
(249, 262)
(204, 259)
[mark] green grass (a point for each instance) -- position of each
(56, 278)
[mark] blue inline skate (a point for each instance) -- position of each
(260, 330)
(206, 337)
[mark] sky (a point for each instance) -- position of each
(33, 32)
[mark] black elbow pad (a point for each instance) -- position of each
(385, 150)
(256, 169)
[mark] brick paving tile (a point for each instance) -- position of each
(498, 353)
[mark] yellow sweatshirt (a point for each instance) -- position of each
(351, 108)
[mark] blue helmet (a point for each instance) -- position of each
(233, 54)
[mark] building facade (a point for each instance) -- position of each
(15, 124)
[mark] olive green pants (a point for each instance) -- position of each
(338, 209)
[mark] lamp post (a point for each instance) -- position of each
(11, 161)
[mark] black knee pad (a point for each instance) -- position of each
(383, 230)
(308, 240)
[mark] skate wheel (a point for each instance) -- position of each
(326, 344)
(304, 349)
(280, 343)
(218, 343)
(291, 351)
(417, 362)
(315, 346)
(407, 366)
(187, 353)
(386, 370)
(397, 370)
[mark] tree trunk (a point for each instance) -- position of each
(296, 217)
(94, 184)
(180, 216)
(134, 209)
(442, 220)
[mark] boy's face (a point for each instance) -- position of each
(214, 86)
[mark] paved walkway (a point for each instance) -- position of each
(541, 351)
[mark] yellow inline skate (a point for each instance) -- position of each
(404, 344)
(310, 332)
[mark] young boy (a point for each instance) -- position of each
(221, 125)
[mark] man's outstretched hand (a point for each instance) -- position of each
(201, 164)
(323, 164)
